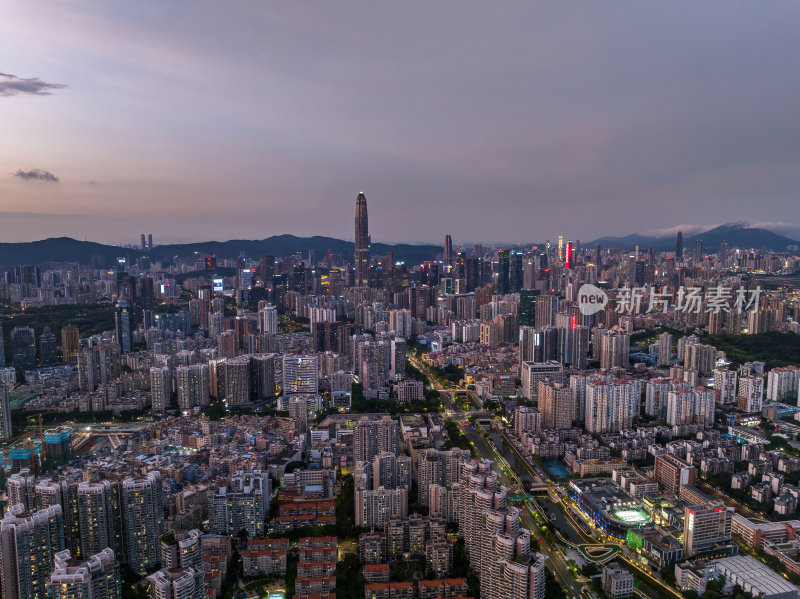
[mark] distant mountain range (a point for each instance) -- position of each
(737, 235)
(66, 249)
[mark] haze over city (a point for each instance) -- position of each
(412, 300)
(508, 125)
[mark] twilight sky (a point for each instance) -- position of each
(510, 121)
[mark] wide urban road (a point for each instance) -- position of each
(556, 562)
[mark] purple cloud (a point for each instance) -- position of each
(36, 174)
(11, 85)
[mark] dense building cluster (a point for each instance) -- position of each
(336, 420)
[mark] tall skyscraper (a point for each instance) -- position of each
(520, 577)
(615, 350)
(28, 545)
(503, 279)
(70, 344)
(125, 325)
(362, 242)
(679, 246)
(160, 388)
(143, 516)
(268, 319)
(5, 414)
(526, 312)
(664, 349)
(24, 344)
(99, 517)
(448, 250)
(192, 385)
(569, 260)
(237, 380)
(48, 352)
(263, 374)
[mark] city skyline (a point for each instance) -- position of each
(561, 359)
(573, 116)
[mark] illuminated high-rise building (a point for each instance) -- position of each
(99, 516)
(237, 380)
(160, 389)
(569, 259)
(672, 473)
(21, 489)
(70, 344)
(300, 374)
(751, 394)
(362, 243)
(143, 516)
(29, 542)
(177, 583)
(448, 250)
(706, 525)
(125, 325)
(243, 504)
(192, 385)
(268, 319)
(96, 577)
